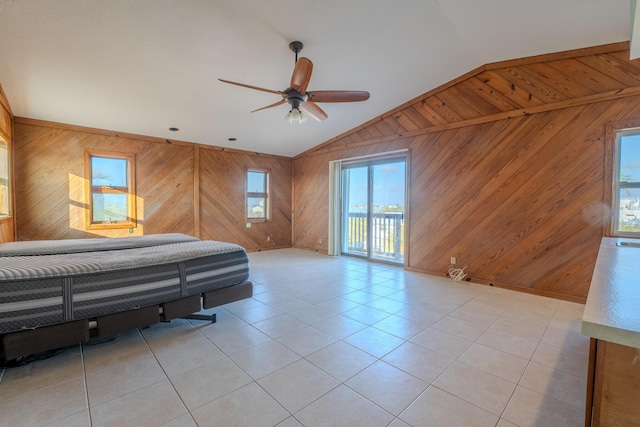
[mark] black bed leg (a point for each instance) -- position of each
(210, 317)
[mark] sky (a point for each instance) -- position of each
(630, 163)
(256, 181)
(630, 157)
(109, 171)
(388, 185)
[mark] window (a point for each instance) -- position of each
(110, 190)
(257, 195)
(626, 185)
(5, 201)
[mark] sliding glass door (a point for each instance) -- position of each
(373, 207)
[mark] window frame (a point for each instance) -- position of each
(614, 131)
(253, 194)
(9, 178)
(129, 190)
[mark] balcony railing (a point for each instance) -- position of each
(387, 236)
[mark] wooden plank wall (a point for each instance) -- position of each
(172, 180)
(506, 172)
(222, 203)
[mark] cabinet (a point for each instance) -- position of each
(613, 393)
(612, 319)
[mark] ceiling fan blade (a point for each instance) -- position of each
(313, 110)
(338, 95)
(275, 104)
(277, 92)
(301, 75)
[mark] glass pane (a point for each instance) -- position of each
(256, 208)
(256, 182)
(109, 207)
(373, 195)
(387, 227)
(356, 201)
(108, 172)
(629, 215)
(4, 178)
(388, 187)
(629, 158)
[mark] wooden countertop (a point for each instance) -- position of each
(612, 311)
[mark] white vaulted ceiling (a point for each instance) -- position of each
(143, 66)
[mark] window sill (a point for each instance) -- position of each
(115, 226)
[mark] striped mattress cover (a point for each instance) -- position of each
(40, 290)
(70, 246)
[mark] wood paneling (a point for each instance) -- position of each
(6, 230)
(507, 169)
(180, 187)
(222, 199)
(6, 122)
(50, 183)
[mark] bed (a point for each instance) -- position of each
(59, 293)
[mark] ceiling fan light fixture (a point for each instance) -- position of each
(295, 116)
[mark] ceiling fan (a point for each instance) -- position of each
(296, 94)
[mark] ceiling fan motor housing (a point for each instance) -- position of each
(295, 98)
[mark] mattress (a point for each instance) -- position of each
(60, 281)
(70, 246)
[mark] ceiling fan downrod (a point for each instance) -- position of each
(296, 47)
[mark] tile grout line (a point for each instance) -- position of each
(85, 384)
(379, 359)
(538, 341)
(253, 380)
(529, 361)
(168, 378)
(340, 382)
(432, 384)
(497, 318)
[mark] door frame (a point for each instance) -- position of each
(335, 199)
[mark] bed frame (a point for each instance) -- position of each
(55, 294)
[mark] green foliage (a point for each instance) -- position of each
(630, 227)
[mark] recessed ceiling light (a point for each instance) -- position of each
(232, 139)
(174, 129)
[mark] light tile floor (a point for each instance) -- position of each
(325, 341)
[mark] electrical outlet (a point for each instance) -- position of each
(319, 240)
(454, 260)
(268, 238)
(248, 225)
